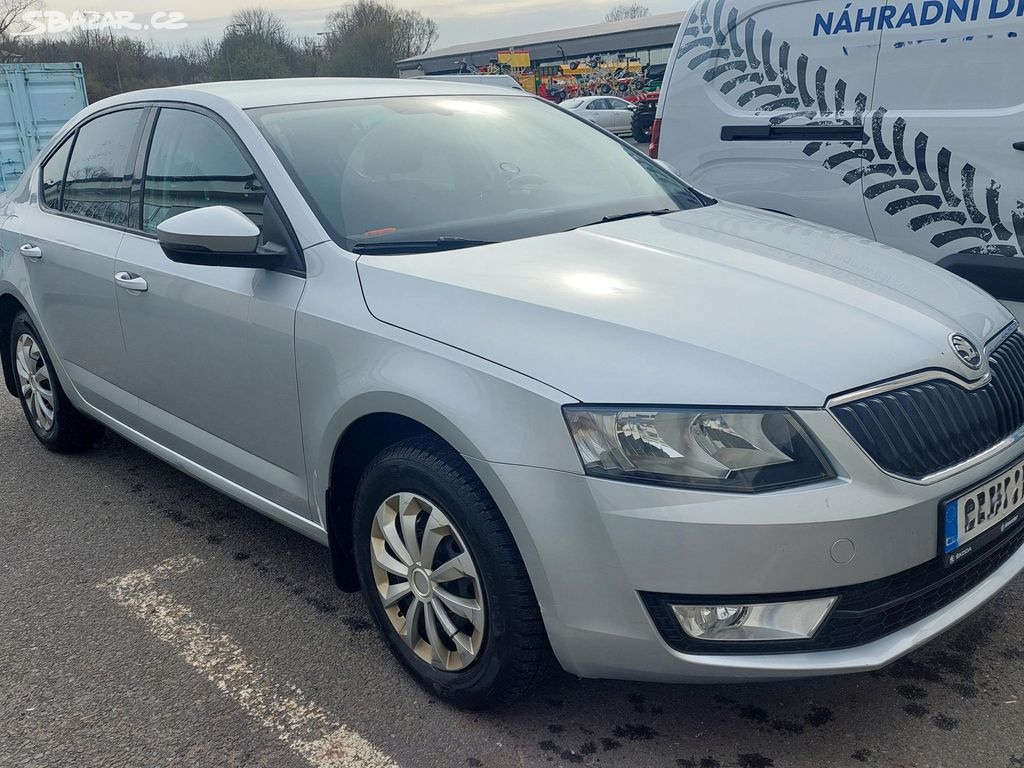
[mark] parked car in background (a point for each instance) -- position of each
(534, 392)
(867, 125)
(610, 112)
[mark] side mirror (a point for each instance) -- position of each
(215, 236)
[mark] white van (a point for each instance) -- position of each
(901, 122)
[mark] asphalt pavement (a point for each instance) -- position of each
(146, 620)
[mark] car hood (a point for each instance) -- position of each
(723, 305)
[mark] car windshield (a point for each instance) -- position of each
(456, 171)
(571, 103)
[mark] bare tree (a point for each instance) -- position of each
(206, 52)
(12, 16)
(259, 24)
(367, 37)
(256, 44)
(623, 12)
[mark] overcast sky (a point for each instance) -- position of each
(459, 21)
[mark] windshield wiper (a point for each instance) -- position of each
(630, 215)
(635, 215)
(418, 246)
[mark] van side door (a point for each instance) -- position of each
(950, 126)
(764, 105)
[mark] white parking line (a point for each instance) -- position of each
(308, 729)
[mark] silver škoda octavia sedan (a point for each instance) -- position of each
(538, 396)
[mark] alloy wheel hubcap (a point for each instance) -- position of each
(427, 582)
(34, 382)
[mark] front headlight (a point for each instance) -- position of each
(740, 451)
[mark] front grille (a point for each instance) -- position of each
(925, 428)
(863, 613)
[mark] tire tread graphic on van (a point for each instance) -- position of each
(900, 171)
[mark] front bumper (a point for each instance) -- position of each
(595, 549)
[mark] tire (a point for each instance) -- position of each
(504, 648)
(640, 127)
(58, 425)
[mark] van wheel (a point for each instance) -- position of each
(57, 424)
(443, 577)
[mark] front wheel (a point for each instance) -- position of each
(443, 577)
(57, 424)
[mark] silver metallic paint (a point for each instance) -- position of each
(484, 346)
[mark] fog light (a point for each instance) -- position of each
(746, 623)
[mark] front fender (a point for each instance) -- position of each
(351, 365)
(468, 408)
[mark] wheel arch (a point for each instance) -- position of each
(15, 298)
(370, 424)
(10, 306)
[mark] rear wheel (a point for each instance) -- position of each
(57, 424)
(443, 577)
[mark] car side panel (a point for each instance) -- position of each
(622, 116)
(211, 354)
(618, 121)
(72, 289)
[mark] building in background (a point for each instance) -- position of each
(626, 58)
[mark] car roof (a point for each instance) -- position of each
(246, 94)
(505, 81)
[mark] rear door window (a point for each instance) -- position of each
(96, 185)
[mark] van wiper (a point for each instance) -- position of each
(418, 246)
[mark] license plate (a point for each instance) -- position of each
(982, 515)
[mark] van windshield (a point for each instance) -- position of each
(433, 172)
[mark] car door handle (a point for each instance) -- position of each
(131, 282)
(30, 251)
(1019, 145)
